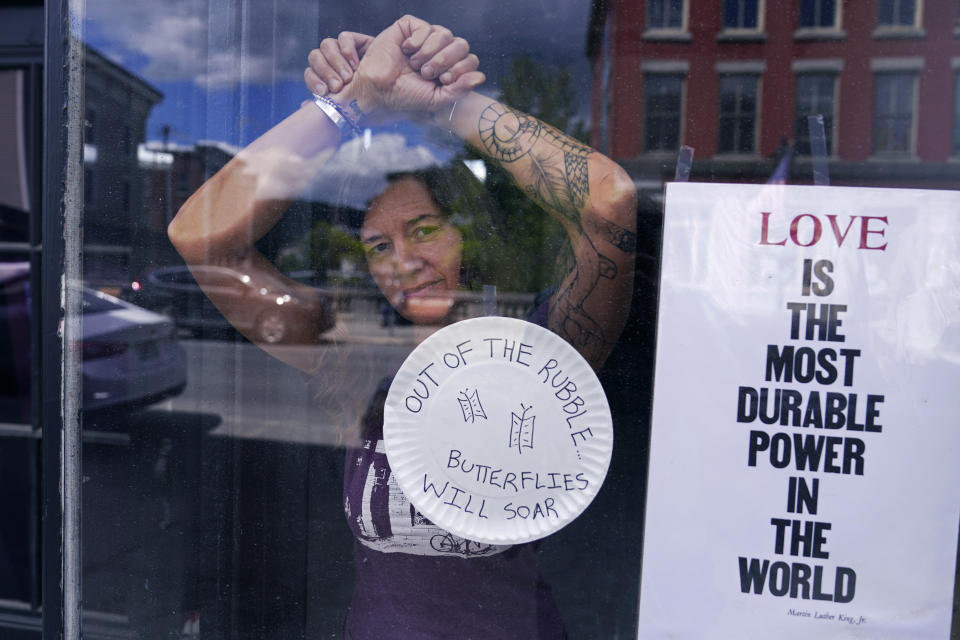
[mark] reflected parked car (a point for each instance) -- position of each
(130, 356)
(174, 292)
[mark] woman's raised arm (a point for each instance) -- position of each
(233, 209)
(222, 221)
(589, 194)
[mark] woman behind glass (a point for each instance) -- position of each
(414, 580)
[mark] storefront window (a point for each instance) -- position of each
(20, 427)
(266, 209)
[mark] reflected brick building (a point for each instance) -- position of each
(172, 172)
(118, 104)
(735, 79)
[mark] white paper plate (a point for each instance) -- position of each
(498, 430)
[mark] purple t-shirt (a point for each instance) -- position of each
(415, 580)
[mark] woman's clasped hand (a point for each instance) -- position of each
(412, 66)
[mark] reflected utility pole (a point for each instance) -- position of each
(168, 187)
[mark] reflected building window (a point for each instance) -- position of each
(816, 95)
(897, 13)
(818, 14)
(738, 113)
(741, 14)
(666, 15)
(663, 112)
(893, 113)
(956, 115)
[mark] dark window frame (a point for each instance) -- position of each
(742, 9)
(822, 14)
(667, 15)
(804, 107)
(659, 119)
(894, 13)
(745, 122)
(891, 118)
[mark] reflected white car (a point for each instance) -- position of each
(130, 356)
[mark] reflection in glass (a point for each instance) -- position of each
(738, 113)
(817, 13)
(741, 14)
(663, 112)
(896, 13)
(956, 114)
(665, 14)
(815, 96)
(893, 113)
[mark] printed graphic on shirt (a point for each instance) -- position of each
(383, 519)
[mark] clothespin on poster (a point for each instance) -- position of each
(818, 148)
(684, 163)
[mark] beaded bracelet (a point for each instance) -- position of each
(337, 114)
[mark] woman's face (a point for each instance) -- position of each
(413, 251)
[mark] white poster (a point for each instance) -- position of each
(804, 477)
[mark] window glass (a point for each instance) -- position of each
(815, 96)
(956, 115)
(234, 397)
(818, 13)
(741, 14)
(738, 113)
(900, 13)
(281, 201)
(663, 112)
(665, 14)
(893, 113)
(19, 425)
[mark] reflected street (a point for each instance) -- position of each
(257, 396)
(235, 482)
(222, 506)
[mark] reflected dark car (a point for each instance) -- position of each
(130, 356)
(278, 312)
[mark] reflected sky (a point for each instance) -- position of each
(229, 70)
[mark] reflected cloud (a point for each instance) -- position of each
(355, 175)
(220, 45)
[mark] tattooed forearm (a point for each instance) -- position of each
(621, 238)
(575, 166)
(507, 135)
(569, 316)
(553, 172)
